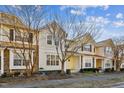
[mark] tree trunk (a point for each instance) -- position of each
(117, 66)
(62, 68)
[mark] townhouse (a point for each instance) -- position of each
(91, 55)
(105, 50)
(12, 45)
(48, 58)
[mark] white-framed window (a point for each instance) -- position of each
(107, 65)
(56, 42)
(11, 33)
(49, 39)
(87, 48)
(18, 36)
(19, 59)
(57, 60)
(52, 60)
(108, 50)
(88, 63)
(122, 65)
(48, 60)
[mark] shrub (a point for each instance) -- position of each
(108, 70)
(68, 71)
(89, 70)
(16, 74)
(122, 69)
(4, 75)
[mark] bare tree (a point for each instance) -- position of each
(118, 51)
(70, 33)
(32, 18)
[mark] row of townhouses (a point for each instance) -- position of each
(91, 55)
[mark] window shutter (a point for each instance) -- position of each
(11, 35)
(94, 49)
(82, 48)
(90, 48)
(30, 37)
(93, 62)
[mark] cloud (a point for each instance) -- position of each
(100, 21)
(119, 16)
(81, 9)
(17, 7)
(77, 12)
(118, 23)
(105, 7)
(108, 14)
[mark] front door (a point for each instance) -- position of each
(98, 63)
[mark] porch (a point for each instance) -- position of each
(73, 64)
(98, 63)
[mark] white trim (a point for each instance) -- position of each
(2, 61)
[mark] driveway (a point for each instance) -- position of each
(118, 85)
(80, 81)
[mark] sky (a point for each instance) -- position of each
(109, 17)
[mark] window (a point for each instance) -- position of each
(25, 62)
(48, 59)
(107, 65)
(49, 39)
(122, 66)
(11, 35)
(18, 36)
(56, 42)
(108, 50)
(87, 48)
(57, 60)
(25, 37)
(30, 37)
(19, 60)
(52, 60)
(87, 64)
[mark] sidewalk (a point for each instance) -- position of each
(65, 82)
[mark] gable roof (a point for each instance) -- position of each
(54, 24)
(107, 42)
(10, 19)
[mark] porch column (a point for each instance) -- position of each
(94, 62)
(65, 66)
(32, 57)
(114, 66)
(2, 61)
(102, 63)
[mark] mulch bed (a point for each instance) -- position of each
(35, 77)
